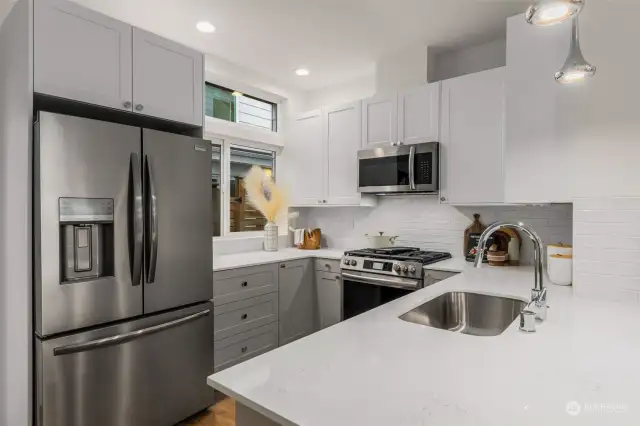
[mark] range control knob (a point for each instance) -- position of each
(405, 268)
(346, 261)
(412, 269)
(396, 267)
(353, 262)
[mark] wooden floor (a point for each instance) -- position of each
(222, 414)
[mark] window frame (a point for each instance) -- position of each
(274, 105)
(225, 144)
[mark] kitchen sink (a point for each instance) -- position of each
(467, 313)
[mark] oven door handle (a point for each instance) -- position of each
(412, 167)
(385, 282)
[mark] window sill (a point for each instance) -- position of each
(217, 127)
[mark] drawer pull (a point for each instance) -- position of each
(244, 316)
(244, 284)
(244, 349)
(326, 265)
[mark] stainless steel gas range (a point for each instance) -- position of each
(373, 277)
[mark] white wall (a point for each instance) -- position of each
(468, 60)
(348, 91)
(421, 221)
(402, 69)
(600, 119)
(16, 331)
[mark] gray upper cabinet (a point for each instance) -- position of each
(85, 56)
(82, 55)
(297, 300)
(167, 79)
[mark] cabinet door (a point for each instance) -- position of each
(168, 79)
(297, 301)
(305, 158)
(472, 138)
(329, 297)
(419, 114)
(379, 120)
(342, 136)
(532, 141)
(81, 55)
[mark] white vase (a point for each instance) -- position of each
(271, 237)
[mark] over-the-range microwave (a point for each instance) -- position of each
(399, 169)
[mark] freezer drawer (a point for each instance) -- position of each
(237, 284)
(153, 374)
(244, 346)
(237, 317)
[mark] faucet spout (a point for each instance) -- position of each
(538, 287)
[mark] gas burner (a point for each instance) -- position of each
(401, 254)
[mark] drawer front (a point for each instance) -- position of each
(238, 317)
(328, 265)
(244, 283)
(244, 346)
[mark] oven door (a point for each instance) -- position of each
(405, 168)
(363, 292)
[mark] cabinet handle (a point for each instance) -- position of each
(127, 105)
(244, 349)
(139, 107)
(244, 316)
(283, 266)
(244, 284)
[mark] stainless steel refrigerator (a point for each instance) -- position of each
(122, 274)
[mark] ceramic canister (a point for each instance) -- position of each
(560, 269)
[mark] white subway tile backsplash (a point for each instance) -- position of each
(423, 222)
(607, 248)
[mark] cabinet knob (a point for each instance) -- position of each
(338, 277)
(244, 316)
(139, 107)
(244, 349)
(283, 265)
(443, 199)
(127, 105)
(244, 284)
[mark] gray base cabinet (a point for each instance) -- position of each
(329, 298)
(297, 300)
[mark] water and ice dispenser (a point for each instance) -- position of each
(86, 238)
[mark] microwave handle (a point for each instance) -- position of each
(412, 167)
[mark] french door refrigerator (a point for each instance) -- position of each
(122, 274)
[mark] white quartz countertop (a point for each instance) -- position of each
(376, 369)
(252, 258)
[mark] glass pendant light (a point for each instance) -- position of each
(576, 68)
(550, 12)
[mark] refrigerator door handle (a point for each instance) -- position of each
(126, 337)
(152, 204)
(138, 224)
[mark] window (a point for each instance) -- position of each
(232, 212)
(230, 105)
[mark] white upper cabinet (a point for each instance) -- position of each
(85, 56)
(409, 117)
(167, 79)
(473, 138)
(82, 55)
(305, 156)
(535, 157)
(379, 120)
(419, 114)
(342, 143)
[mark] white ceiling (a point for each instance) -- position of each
(337, 40)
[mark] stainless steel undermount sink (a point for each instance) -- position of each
(467, 313)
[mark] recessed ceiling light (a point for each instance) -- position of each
(302, 71)
(205, 27)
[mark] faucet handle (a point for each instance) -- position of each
(528, 321)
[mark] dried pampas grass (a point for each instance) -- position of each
(263, 194)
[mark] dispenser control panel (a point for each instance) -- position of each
(82, 210)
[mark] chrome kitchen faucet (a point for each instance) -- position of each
(537, 308)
